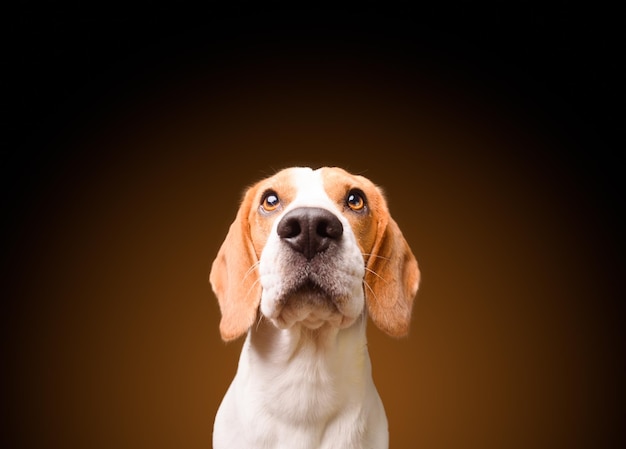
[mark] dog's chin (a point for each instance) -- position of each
(312, 307)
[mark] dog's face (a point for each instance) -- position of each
(313, 247)
(313, 229)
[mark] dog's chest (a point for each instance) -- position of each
(308, 372)
(305, 392)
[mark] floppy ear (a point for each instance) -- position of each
(391, 279)
(234, 276)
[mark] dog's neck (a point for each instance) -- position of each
(304, 372)
(324, 345)
(304, 388)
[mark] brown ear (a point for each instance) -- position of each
(391, 279)
(234, 277)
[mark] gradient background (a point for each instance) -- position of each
(132, 133)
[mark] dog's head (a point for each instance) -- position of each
(314, 247)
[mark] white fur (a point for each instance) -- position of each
(304, 376)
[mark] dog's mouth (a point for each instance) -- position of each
(309, 288)
(309, 304)
(312, 293)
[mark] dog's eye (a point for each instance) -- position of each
(270, 201)
(355, 200)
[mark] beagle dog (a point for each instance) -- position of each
(309, 256)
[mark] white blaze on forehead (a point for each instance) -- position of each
(309, 188)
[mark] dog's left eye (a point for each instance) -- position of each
(270, 201)
(355, 200)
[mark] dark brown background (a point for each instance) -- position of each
(133, 132)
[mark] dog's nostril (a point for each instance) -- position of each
(329, 228)
(289, 227)
(309, 230)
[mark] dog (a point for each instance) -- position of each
(310, 255)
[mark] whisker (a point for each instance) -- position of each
(376, 274)
(375, 255)
(371, 290)
(250, 270)
(251, 288)
(258, 322)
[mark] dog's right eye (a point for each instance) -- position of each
(355, 200)
(270, 201)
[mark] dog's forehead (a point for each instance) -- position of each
(322, 187)
(337, 182)
(308, 186)
(315, 186)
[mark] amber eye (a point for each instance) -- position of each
(270, 201)
(355, 200)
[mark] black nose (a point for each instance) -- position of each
(309, 230)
